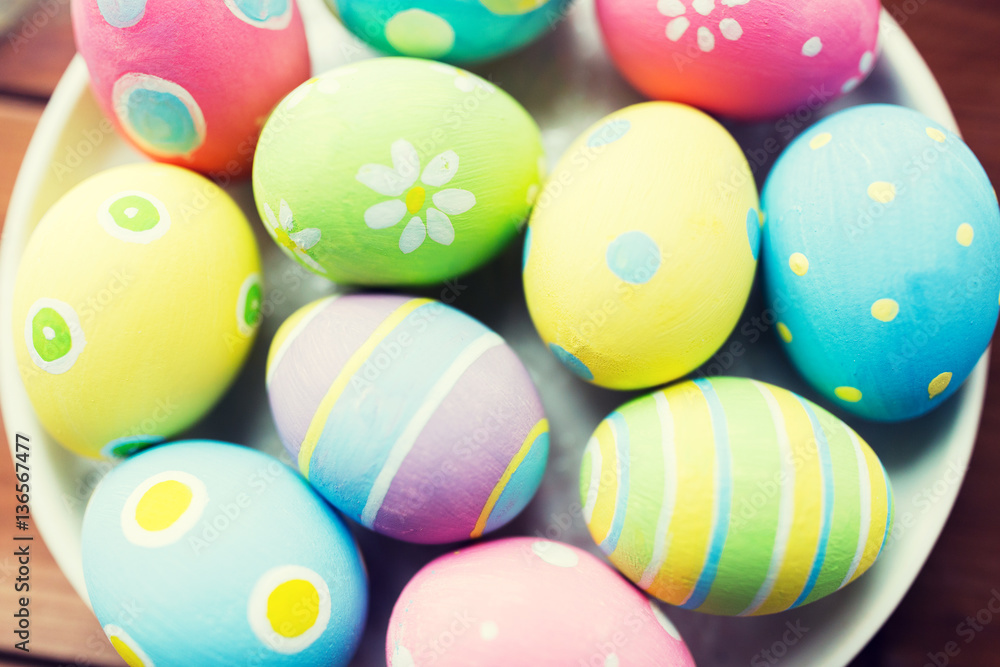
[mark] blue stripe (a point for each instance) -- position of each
(723, 495)
(826, 467)
(522, 484)
(888, 513)
(610, 542)
(378, 403)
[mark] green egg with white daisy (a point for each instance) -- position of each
(396, 171)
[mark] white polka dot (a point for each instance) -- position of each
(706, 40)
(670, 8)
(50, 333)
(730, 29)
(402, 657)
(850, 85)
(703, 7)
(812, 47)
(489, 630)
(664, 621)
(677, 28)
(131, 212)
(612, 661)
(556, 554)
(867, 60)
(734, 3)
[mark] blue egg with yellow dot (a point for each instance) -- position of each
(882, 252)
(214, 554)
(458, 31)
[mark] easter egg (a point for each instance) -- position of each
(409, 416)
(732, 496)
(454, 30)
(192, 83)
(413, 191)
(642, 247)
(747, 60)
(136, 302)
(522, 601)
(882, 251)
(222, 552)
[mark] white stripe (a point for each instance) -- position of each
(408, 437)
(786, 506)
(596, 468)
(661, 544)
(866, 506)
(279, 354)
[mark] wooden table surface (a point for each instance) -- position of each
(960, 39)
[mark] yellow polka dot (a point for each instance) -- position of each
(881, 191)
(784, 332)
(965, 234)
(162, 505)
(849, 394)
(293, 607)
(885, 310)
(938, 384)
(936, 134)
(127, 654)
(820, 140)
(798, 263)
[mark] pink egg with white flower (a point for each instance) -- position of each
(528, 601)
(191, 83)
(746, 59)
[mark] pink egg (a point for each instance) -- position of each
(191, 83)
(528, 601)
(747, 59)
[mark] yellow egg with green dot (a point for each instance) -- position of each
(137, 300)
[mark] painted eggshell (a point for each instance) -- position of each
(463, 31)
(745, 59)
(413, 192)
(882, 247)
(527, 601)
(224, 553)
(136, 302)
(192, 83)
(409, 416)
(642, 247)
(761, 500)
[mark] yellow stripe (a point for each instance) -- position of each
(806, 517)
(539, 428)
(352, 366)
(691, 525)
(880, 507)
(607, 487)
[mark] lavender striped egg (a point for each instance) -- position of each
(734, 497)
(409, 416)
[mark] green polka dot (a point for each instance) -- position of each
(50, 335)
(415, 32)
(251, 306)
(134, 213)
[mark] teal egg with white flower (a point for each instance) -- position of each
(460, 31)
(396, 171)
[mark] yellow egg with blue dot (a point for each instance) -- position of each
(642, 247)
(883, 234)
(137, 300)
(225, 552)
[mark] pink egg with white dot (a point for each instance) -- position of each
(192, 83)
(746, 59)
(528, 601)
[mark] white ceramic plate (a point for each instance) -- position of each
(567, 83)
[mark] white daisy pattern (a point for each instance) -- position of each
(297, 243)
(729, 28)
(400, 181)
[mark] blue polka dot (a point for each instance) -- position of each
(262, 10)
(634, 257)
(571, 362)
(609, 132)
(753, 232)
(121, 448)
(527, 248)
(163, 121)
(122, 13)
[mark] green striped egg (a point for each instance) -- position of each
(732, 496)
